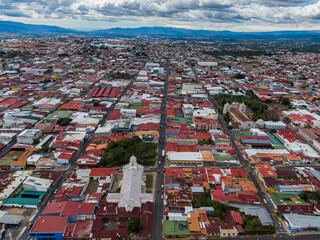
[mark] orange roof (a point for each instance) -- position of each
(21, 161)
(207, 156)
(227, 180)
(155, 133)
(194, 222)
(102, 146)
(293, 157)
(266, 170)
(187, 171)
(248, 186)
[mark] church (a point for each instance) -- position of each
(130, 195)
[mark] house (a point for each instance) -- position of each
(213, 229)
(105, 174)
(228, 230)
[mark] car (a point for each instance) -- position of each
(158, 189)
(55, 191)
(161, 196)
(30, 225)
(265, 201)
(158, 170)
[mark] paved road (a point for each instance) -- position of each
(158, 203)
(268, 206)
(73, 163)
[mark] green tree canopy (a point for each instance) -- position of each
(134, 225)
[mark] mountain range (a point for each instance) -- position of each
(17, 27)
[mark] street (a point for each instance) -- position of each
(158, 202)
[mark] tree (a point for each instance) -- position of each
(285, 101)
(64, 121)
(35, 141)
(134, 225)
(45, 149)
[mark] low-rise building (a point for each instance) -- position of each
(28, 136)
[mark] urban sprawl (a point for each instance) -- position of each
(157, 139)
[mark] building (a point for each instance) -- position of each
(208, 64)
(130, 195)
(256, 140)
(37, 184)
(28, 136)
(176, 229)
(74, 210)
(238, 115)
(300, 223)
(187, 110)
(265, 170)
(228, 230)
(185, 159)
(49, 227)
(105, 175)
(274, 125)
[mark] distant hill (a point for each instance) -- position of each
(181, 32)
(17, 27)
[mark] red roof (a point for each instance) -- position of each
(174, 172)
(102, 171)
(70, 208)
(236, 172)
(172, 147)
(171, 112)
(50, 224)
(65, 156)
(115, 115)
(75, 105)
(237, 218)
(266, 170)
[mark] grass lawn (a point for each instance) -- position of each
(149, 181)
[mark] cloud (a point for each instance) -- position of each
(188, 12)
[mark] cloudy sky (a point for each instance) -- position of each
(234, 15)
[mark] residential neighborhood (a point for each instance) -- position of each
(120, 138)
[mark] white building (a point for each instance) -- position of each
(185, 159)
(37, 184)
(130, 195)
(187, 110)
(274, 125)
(28, 136)
(208, 64)
(33, 159)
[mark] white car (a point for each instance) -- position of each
(265, 201)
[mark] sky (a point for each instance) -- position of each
(233, 15)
